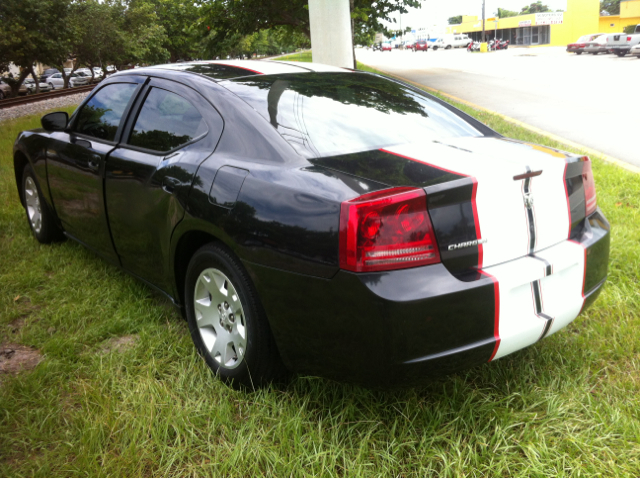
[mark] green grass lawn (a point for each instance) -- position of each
(567, 406)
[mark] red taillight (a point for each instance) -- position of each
(589, 187)
(628, 39)
(388, 229)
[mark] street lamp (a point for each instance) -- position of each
(483, 34)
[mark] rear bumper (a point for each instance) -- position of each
(405, 325)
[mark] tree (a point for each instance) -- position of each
(180, 20)
(30, 33)
(230, 17)
(611, 7)
(455, 20)
(503, 13)
(536, 7)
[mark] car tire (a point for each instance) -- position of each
(578, 53)
(227, 322)
(51, 86)
(448, 47)
(1, 95)
(620, 54)
(42, 219)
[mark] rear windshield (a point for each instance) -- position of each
(326, 114)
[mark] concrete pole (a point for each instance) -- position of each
(483, 37)
(331, 41)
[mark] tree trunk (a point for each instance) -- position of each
(15, 86)
(35, 78)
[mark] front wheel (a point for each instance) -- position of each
(51, 86)
(41, 219)
(227, 323)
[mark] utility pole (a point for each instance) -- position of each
(483, 36)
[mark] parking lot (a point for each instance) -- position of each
(588, 99)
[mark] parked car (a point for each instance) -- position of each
(79, 79)
(421, 46)
(452, 40)
(386, 47)
(55, 81)
(47, 74)
(30, 84)
(597, 45)
(5, 89)
(622, 44)
(97, 71)
(319, 219)
(579, 46)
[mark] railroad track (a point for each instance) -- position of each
(23, 100)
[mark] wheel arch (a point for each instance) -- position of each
(20, 160)
(185, 244)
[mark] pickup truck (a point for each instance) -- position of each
(622, 43)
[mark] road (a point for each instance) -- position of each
(592, 100)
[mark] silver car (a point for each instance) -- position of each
(56, 81)
(597, 45)
(31, 86)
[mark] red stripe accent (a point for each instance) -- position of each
(566, 194)
(476, 219)
(236, 66)
(424, 163)
(496, 319)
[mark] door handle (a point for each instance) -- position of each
(94, 162)
(169, 183)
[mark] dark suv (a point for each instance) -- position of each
(47, 73)
(421, 45)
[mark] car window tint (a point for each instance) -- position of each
(101, 116)
(166, 121)
(337, 113)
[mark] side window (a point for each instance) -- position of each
(166, 121)
(101, 116)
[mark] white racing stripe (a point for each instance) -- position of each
(562, 295)
(554, 275)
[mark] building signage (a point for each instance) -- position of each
(549, 18)
(526, 23)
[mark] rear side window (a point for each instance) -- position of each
(328, 114)
(101, 116)
(166, 121)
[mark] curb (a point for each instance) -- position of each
(533, 129)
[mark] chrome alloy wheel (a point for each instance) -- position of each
(220, 318)
(32, 199)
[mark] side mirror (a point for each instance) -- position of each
(57, 121)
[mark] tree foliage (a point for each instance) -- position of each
(536, 7)
(455, 20)
(611, 7)
(245, 17)
(504, 13)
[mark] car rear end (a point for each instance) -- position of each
(454, 246)
(421, 46)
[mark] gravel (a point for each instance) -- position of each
(38, 107)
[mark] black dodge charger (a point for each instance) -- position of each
(321, 220)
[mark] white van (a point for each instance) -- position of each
(452, 40)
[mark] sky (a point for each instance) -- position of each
(436, 12)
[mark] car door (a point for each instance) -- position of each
(76, 160)
(149, 175)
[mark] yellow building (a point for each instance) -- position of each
(553, 28)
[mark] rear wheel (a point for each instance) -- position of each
(1, 95)
(578, 53)
(41, 219)
(226, 320)
(620, 54)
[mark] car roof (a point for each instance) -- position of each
(228, 69)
